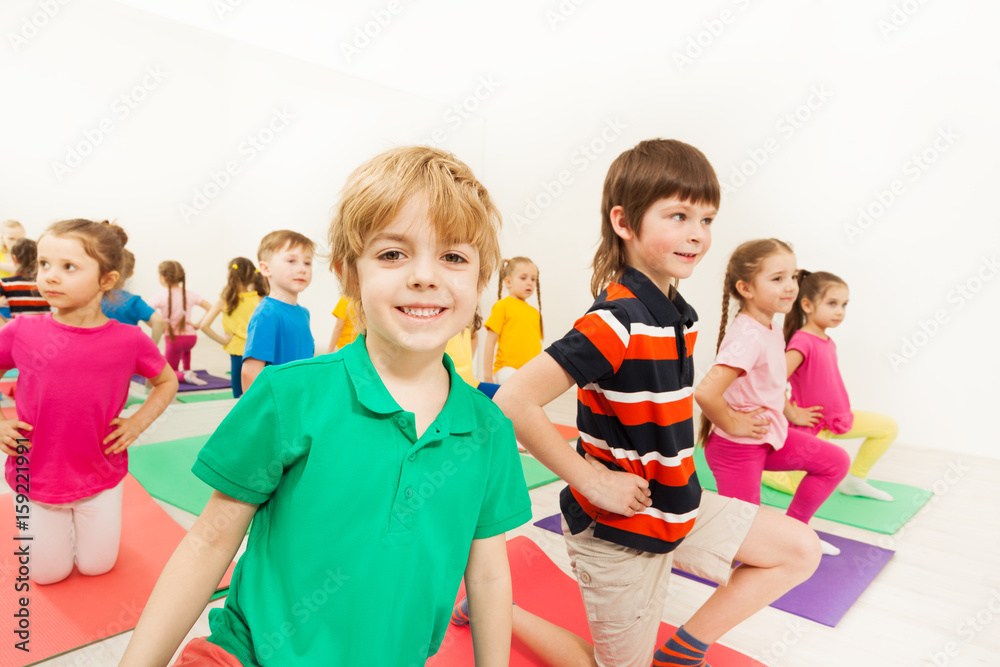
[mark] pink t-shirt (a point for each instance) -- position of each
(759, 352)
(177, 309)
(817, 381)
(72, 382)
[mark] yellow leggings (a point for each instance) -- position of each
(879, 431)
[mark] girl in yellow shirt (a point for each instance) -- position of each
(514, 328)
(243, 291)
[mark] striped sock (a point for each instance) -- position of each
(681, 649)
(460, 616)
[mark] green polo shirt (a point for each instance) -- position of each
(363, 531)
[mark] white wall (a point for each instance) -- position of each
(884, 79)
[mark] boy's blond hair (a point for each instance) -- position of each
(637, 179)
(9, 224)
(276, 241)
(459, 207)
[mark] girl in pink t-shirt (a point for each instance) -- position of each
(66, 450)
(811, 356)
(177, 304)
(743, 395)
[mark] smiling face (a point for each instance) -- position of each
(289, 271)
(522, 280)
(673, 237)
(772, 290)
(68, 278)
(830, 308)
(417, 291)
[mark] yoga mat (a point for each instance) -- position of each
(488, 388)
(827, 595)
(536, 474)
(875, 515)
(81, 610)
(164, 470)
(201, 397)
(541, 588)
(11, 374)
(214, 382)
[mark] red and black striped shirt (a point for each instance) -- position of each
(23, 297)
(631, 357)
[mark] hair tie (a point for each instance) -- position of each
(256, 270)
(235, 267)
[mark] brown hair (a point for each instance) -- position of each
(638, 178)
(25, 253)
(744, 265)
(812, 286)
(276, 241)
(459, 207)
(242, 274)
(103, 241)
(173, 274)
(507, 268)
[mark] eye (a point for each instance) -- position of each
(391, 255)
(454, 258)
(707, 221)
(43, 264)
(679, 217)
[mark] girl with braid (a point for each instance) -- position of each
(514, 327)
(177, 304)
(812, 370)
(743, 395)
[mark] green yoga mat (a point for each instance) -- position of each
(200, 396)
(164, 470)
(875, 515)
(535, 474)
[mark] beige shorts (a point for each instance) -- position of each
(625, 590)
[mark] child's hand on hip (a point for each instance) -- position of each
(804, 416)
(619, 492)
(10, 433)
(748, 424)
(126, 433)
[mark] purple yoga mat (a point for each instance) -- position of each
(213, 381)
(827, 595)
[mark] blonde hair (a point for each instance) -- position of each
(652, 170)
(743, 266)
(459, 207)
(5, 225)
(507, 267)
(275, 241)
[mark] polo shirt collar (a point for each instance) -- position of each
(667, 313)
(457, 416)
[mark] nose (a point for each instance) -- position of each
(423, 273)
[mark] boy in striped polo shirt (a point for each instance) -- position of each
(634, 507)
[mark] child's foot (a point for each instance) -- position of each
(191, 378)
(681, 649)
(461, 614)
(857, 486)
(828, 549)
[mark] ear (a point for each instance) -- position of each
(265, 270)
(744, 289)
(807, 306)
(619, 224)
(338, 268)
(108, 280)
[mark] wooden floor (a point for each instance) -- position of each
(937, 602)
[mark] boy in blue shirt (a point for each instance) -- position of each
(278, 331)
(375, 476)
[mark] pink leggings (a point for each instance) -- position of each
(178, 351)
(737, 469)
(86, 531)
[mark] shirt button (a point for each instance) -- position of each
(413, 457)
(409, 492)
(401, 422)
(585, 577)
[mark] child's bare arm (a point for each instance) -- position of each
(487, 584)
(156, 327)
(521, 398)
(709, 395)
(206, 324)
(251, 369)
(188, 580)
(128, 429)
(488, 352)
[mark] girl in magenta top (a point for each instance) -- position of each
(65, 451)
(177, 304)
(811, 357)
(743, 395)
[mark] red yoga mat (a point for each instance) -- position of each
(541, 588)
(81, 610)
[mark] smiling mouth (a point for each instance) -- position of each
(687, 255)
(424, 313)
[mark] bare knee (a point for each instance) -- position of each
(802, 549)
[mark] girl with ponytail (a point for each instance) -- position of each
(177, 304)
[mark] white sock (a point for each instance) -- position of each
(191, 378)
(828, 549)
(856, 486)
